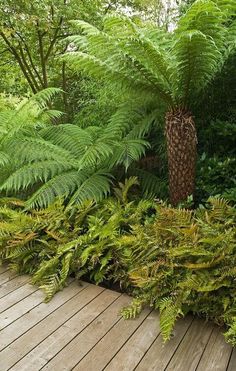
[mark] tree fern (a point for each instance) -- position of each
(29, 114)
(174, 72)
(68, 161)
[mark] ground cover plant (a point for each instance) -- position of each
(176, 260)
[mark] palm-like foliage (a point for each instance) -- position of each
(62, 160)
(163, 69)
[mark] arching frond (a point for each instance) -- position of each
(30, 174)
(137, 59)
(135, 62)
(62, 185)
(30, 113)
(206, 17)
(31, 149)
(198, 60)
(95, 187)
(43, 97)
(128, 150)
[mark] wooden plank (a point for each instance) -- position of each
(37, 314)
(53, 344)
(132, 351)
(16, 296)
(159, 354)
(191, 348)
(27, 342)
(232, 362)
(3, 268)
(13, 284)
(19, 309)
(6, 276)
(81, 344)
(106, 348)
(216, 354)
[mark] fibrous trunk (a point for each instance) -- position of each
(182, 150)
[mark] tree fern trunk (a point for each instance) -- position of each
(182, 150)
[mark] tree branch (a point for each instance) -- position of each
(54, 39)
(27, 67)
(14, 52)
(30, 59)
(42, 57)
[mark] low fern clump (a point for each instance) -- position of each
(175, 260)
(186, 262)
(53, 243)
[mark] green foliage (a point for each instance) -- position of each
(48, 161)
(55, 242)
(216, 176)
(185, 261)
(217, 163)
(175, 260)
(126, 54)
(154, 71)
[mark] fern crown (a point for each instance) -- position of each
(174, 68)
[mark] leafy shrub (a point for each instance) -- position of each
(175, 260)
(45, 161)
(55, 242)
(216, 176)
(185, 261)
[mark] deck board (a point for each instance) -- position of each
(217, 353)
(16, 296)
(81, 329)
(191, 348)
(232, 361)
(12, 285)
(165, 352)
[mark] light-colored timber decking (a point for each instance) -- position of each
(80, 329)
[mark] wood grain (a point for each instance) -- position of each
(66, 332)
(81, 329)
(35, 315)
(216, 354)
(3, 268)
(23, 349)
(191, 348)
(135, 348)
(70, 356)
(6, 276)
(164, 351)
(14, 284)
(16, 296)
(232, 362)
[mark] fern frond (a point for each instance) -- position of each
(51, 284)
(128, 151)
(169, 312)
(151, 185)
(206, 17)
(95, 187)
(62, 185)
(65, 269)
(123, 190)
(32, 173)
(198, 60)
(43, 97)
(4, 159)
(134, 309)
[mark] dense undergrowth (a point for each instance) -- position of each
(175, 260)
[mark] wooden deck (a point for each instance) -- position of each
(80, 329)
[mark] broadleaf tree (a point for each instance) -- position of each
(31, 40)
